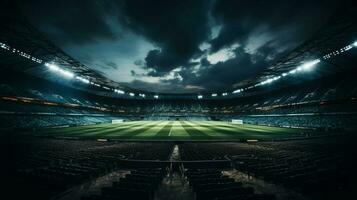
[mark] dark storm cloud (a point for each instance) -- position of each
(136, 75)
(272, 27)
(175, 31)
(204, 62)
(139, 63)
(239, 18)
(225, 74)
(133, 73)
(112, 65)
(177, 28)
(71, 21)
(285, 24)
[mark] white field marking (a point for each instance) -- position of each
(172, 127)
(170, 131)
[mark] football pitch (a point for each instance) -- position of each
(174, 130)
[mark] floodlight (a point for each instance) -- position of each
(309, 65)
(131, 94)
(355, 44)
(67, 74)
(237, 91)
(60, 71)
(214, 95)
(119, 91)
(52, 67)
(95, 84)
(199, 96)
(84, 80)
(269, 80)
(292, 71)
(156, 96)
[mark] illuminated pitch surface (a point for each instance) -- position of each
(175, 130)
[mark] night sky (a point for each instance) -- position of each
(178, 45)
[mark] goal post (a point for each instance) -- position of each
(237, 121)
(117, 121)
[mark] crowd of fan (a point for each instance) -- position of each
(31, 122)
(320, 122)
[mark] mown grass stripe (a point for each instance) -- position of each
(192, 131)
(93, 132)
(104, 130)
(138, 131)
(75, 130)
(214, 124)
(178, 131)
(100, 131)
(152, 132)
(206, 129)
(164, 131)
(277, 130)
(225, 125)
(227, 131)
(122, 130)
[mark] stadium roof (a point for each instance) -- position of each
(338, 33)
(19, 34)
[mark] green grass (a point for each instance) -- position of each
(174, 130)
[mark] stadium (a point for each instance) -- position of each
(187, 100)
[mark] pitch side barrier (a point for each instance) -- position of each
(199, 164)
